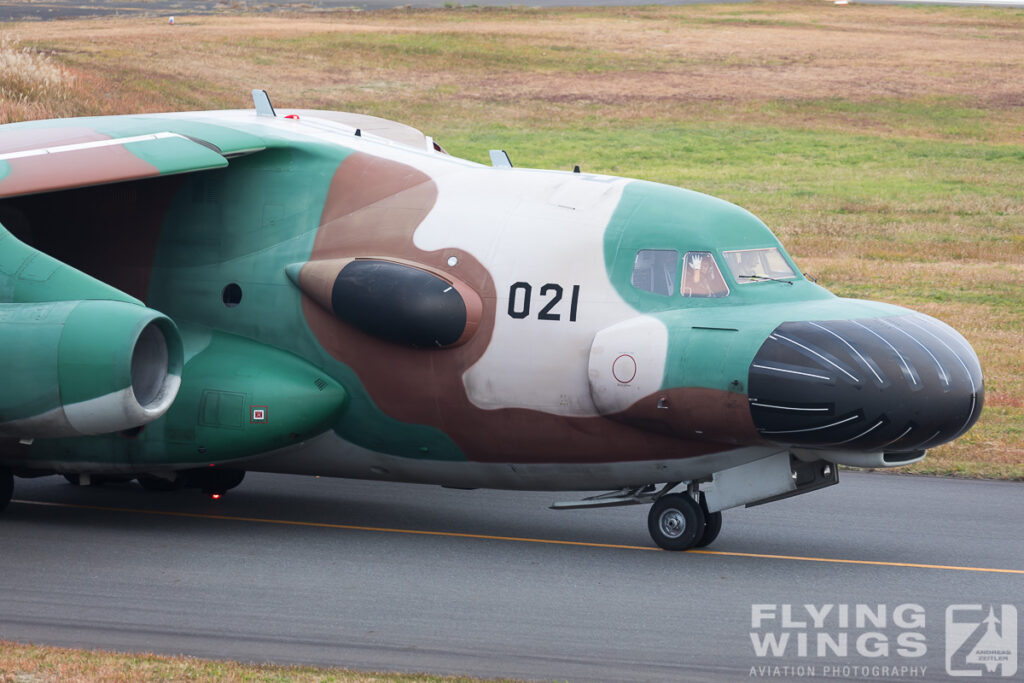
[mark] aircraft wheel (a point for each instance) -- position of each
(676, 522)
(6, 486)
(712, 525)
(150, 483)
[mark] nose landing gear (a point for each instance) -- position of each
(678, 522)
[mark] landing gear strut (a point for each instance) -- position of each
(678, 522)
(6, 486)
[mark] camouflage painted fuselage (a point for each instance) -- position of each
(351, 301)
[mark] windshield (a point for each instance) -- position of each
(701, 277)
(754, 265)
(654, 270)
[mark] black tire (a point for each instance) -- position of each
(712, 525)
(6, 486)
(150, 483)
(675, 522)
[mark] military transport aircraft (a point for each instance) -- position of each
(186, 297)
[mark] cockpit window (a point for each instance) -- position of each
(655, 270)
(755, 265)
(701, 276)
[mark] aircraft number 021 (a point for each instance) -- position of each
(521, 293)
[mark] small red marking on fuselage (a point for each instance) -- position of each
(630, 364)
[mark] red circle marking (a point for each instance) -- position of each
(621, 380)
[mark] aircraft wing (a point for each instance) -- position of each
(80, 355)
(41, 158)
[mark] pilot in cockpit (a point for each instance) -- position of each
(701, 277)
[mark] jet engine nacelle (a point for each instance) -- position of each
(73, 368)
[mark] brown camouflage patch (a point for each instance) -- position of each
(373, 208)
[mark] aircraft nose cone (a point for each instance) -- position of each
(894, 384)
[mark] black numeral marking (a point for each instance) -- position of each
(520, 294)
(513, 291)
(545, 313)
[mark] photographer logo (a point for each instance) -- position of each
(981, 640)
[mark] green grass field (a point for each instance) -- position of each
(884, 145)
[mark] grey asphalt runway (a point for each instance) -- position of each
(380, 576)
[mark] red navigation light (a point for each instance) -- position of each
(293, 116)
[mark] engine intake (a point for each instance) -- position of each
(74, 368)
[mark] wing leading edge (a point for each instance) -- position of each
(104, 160)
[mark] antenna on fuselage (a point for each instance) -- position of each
(261, 100)
(499, 159)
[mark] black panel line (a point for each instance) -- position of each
(864, 433)
(796, 343)
(950, 349)
(792, 372)
(954, 337)
(790, 408)
(943, 375)
(906, 365)
(812, 429)
(905, 432)
(924, 444)
(974, 391)
(974, 402)
(863, 360)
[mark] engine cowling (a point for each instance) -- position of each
(70, 368)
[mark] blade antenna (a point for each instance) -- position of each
(499, 159)
(261, 100)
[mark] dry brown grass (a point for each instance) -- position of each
(40, 664)
(633, 63)
(31, 84)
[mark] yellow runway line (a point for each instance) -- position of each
(327, 525)
(515, 539)
(879, 563)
